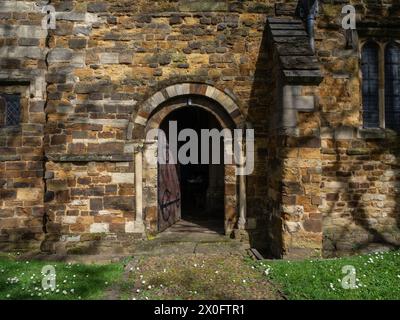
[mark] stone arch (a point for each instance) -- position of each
(149, 115)
(162, 111)
(137, 126)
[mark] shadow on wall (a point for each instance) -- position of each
(263, 186)
(361, 176)
(362, 187)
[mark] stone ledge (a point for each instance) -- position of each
(10, 157)
(305, 77)
(350, 133)
(90, 158)
(370, 133)
(11, 130)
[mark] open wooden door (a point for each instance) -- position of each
(169, 196)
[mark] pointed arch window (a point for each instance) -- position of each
(370, 84)
(392, 86)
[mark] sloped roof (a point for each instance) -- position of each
(298, 62)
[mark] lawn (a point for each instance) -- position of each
(205, 277)
(377, 277)
(23, 280)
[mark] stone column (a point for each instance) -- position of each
(242, 189)
(139, 224)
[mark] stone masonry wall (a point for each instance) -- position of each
(22, 71)
(360, 181)
(106, 58)
(67, 172)
(88, 198)
(294, 222)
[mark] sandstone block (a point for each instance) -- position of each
(124, 203)
(109, 58)
(60, 55)
(31, 194)
(119, 178)
(99, 228)
(130, 227)
(69, 219)
(97, 6)
(96, 204)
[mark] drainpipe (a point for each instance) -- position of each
(310, 30)
(308, 10)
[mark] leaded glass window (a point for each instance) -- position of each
(11, 109)
(392, 86)
(370, 84)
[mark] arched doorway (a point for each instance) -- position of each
(150, 115)
(193, 192)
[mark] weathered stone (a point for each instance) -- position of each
(118, 203)
(77, 43)
(30, 194)
(109, 58)
(28, 42)
(205, 5)
(22, 31)
(99, 228)
(92, 87)
(60, 55)
(96, 204)
(97, 6)
(175, 20)
(118, 178)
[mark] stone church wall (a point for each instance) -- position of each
(22, 71)
(67, 173)
(360, 180)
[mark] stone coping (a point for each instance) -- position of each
(350, 133)
(90, 158)
(298, 62)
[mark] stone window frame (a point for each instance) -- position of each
(382, 45)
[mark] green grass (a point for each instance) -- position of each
(378, 277)
(22, 280)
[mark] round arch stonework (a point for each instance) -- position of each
(150, 115)
(136, 128)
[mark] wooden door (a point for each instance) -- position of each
(169, 195)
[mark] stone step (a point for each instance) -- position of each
(157, 248)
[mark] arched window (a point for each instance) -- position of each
(370, 84)
(392, 86)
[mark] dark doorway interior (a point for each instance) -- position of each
(202, 185)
